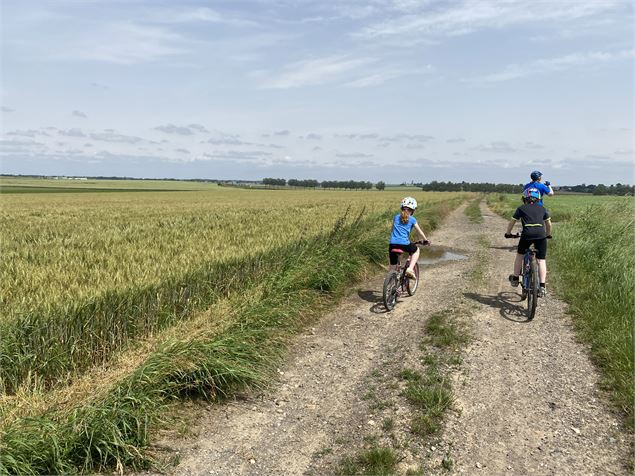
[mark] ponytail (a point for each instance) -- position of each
(405, 215)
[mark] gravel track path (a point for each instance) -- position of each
(526, 395)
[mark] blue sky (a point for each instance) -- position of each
(395, 90)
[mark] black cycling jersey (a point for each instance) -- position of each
(533, 217)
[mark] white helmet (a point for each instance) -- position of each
(409, 202)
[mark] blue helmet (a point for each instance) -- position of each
(532, 194)
(536, 174)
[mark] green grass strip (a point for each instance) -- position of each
(473, 211)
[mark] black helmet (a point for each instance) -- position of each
(536, 174)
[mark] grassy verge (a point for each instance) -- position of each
(473, 211)
(594, 269)
(111, 428)
(592, 263)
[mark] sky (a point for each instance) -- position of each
(392, 90)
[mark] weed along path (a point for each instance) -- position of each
(452, 381)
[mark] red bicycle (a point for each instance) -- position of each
(397, 283)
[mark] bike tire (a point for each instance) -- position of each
(413, 284)
(532, 292)
(391, 283)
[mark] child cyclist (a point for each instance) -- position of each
(402, 224)
(536, 229)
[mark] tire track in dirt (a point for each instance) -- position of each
(521, 390)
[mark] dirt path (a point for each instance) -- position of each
(526, 392)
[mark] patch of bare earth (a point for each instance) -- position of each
(526, 397)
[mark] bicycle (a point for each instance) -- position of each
(529, 279)
(397, 283)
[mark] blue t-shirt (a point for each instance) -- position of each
(541, 187)
(400, 234)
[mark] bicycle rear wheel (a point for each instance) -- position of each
(532, 292)
(413, 284)
(391, 283)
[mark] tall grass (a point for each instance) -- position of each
(592, 262)
(594, 265)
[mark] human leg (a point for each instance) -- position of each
(542, 270)
(414, 259)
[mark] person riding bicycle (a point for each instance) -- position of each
(536, 183)
(403, 222)
(536, 224)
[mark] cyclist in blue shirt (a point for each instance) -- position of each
(402, 224)
(543, 189)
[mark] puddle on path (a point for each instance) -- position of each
(439, 254)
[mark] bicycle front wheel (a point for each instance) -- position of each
(532, 292)
(391, 283)
(413, 284)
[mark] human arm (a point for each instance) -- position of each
(549, 189)
(420, 231)
(510, 226)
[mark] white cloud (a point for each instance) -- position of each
(436, 19)
(120, 43)
(354, 155)
(547, 65)
(497, 147)
(185, 14)
(79, 114)
(109, 135)
(71, 132)
(27, 133)
(380, 77)
(173, 129)
(313, 72)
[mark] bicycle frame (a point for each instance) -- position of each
(401, 272)
(526, 267)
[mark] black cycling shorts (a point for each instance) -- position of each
(540, 244)
(394, 257)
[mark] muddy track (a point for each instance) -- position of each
(526, 394)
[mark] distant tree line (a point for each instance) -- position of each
(279, 182)
(312, 183)
(601, 189)
(347, 184)
(435, 186)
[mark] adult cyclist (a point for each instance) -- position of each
(536, 183)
